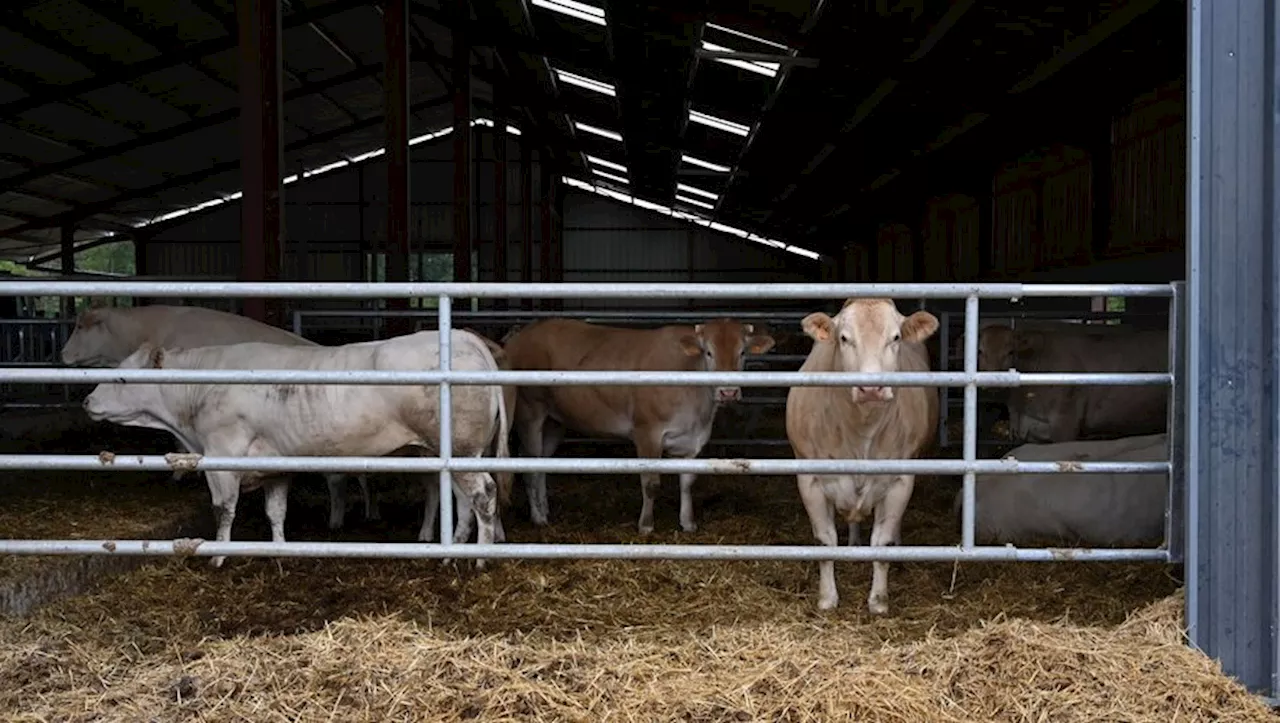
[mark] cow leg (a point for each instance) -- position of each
(276, 494)
(886, 531)
(337, 500)
(649, 446)
(687, 523)
(371, 512)
(224, 491)
(532, 421)
(482, 491)
(855, 536)
(431, 489)
(822, 518)
(465, 515)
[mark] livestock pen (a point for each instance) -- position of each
(357, 169)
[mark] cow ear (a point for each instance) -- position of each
(690, 345)
(749, 329)
(760, 343)
(818, 326)
(919, 326)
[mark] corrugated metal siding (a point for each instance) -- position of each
(951, 243)
(1147, 173)
(857, 262)
(895, 253)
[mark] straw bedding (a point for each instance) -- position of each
(367, 640)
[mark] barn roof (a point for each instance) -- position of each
(784, 119)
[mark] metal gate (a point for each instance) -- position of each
(444, 463)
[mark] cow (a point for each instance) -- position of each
(863, 422)
(105, 336)
(668, 419)
(504, 479)
(235, 420)
(1092, 509)
(1066, 413)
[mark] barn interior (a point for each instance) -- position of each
(566, 140)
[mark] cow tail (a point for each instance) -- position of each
(502, 449)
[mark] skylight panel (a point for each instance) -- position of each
(693, 202)
(583, 81)
(611, 135)
(690, 216)
(606, 163)
(769, 70)
(711, 121)
(573, 8)
(704, 164)
(752, 38)
(610, 176)
(696, 191)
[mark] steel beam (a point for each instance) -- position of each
(395, 86)
(462, 160)
(261, 152)
(1233, 392)
(501, 211)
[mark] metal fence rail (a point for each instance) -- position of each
(445, 464)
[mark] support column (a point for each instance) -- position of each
(547, 189)
(1233, 394)
(261, 150)
(526, 215)
(462, 240)
(67, 256)
(396, 94)
(501, 239)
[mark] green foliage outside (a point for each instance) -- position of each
(115, 259)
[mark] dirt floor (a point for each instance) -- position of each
(368, 640)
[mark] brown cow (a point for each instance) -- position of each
(1068, 413)
(674, 420)
(875, 422)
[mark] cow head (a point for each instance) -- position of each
(868, 334)
(94, 342)
(723, 345)
(127, 404)
(999, 347)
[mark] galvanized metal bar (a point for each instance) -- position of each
(674, 316)
(1175, 509)
(970, 436)
(577, 378)
(557, 551)
(569, 290)
(353, 465)
(446, 423)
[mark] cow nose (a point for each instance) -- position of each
(873, 393)
(728, 394)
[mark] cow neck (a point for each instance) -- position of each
(865, 420)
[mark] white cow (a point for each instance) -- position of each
(105, 336)
(237, 420)
(1095, 509)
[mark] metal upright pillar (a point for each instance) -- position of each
(526, 213)
(462, 240)
(396, 93)
(261, 150)
(1233, 356)
(501, 239)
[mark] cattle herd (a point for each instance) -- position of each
(876, 422)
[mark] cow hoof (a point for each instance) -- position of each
(374, 516)
(825, 604)
(538, 520)
(216, 562)
(479, 565)
(691, 527)
(646, 529)
(878, 606)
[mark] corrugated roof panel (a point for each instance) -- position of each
(180, 21)
(361, 32)
(363, 97)
(120, 171)
(86, 29)
(190, 151)
(65, 187)
(28, 57)
(187, 88)
(306, 53)
(320, 114)
(225, 65)
(64, 123)
(21, 143)
(10, 92)
(134, 110)
(22, 203)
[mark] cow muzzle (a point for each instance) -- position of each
(92, 408)
(728, 395)
(872, 394)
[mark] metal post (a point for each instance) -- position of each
(68, 258)
(446, 421)
(526, 215)
(970, 437)
(261, 149)
(501, 211)
(1233, 288)
(396, 100)
(462, 240)
(1175, 509)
